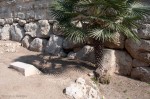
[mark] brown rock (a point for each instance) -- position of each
(141, 73)
(138, 63)
(139, 50)
(117, 42)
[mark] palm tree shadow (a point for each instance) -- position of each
(54, 65)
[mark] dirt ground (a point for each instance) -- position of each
(57, 74)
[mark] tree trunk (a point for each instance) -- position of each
(101, 73)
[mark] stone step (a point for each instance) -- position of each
(25, 69)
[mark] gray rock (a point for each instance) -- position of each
(26, 41)
(17, 32)
(138, 63)
(2, 22)
(144, 31)
(54, 45)
(56, 29)
(5, 32)
(31, 29)
(38, 45)
(86, 54)
(71, 55)
(43, 30)
(25, 69)
(67, 44)
(22, 22)
(40, 29)
(9, 21)
(141, 73)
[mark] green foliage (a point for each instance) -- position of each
(98, 19)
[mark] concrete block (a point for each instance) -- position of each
(25, 69)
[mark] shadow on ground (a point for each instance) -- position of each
(54, 65)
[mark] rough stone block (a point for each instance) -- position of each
(25, 69)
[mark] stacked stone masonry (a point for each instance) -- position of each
(25, 9)
(28, 22)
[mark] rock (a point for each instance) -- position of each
(26, 41)
(62, 54)
(57, 29)
(5, 32)
(91, 74)
(67, 44)
(138, 63)
(43, 30)
(144, 31)
(17, 32)
(141, 73)
(86, 54)
(40, 29)
(80, 90)
(71, 55)
(31, 29)
(25, 69)
(16, 20)
(117, 42)
(22, 22)
(123, 63)
(80, 81)
(38, 45)
(2, 22)
(139, 50)
(54, 45)
(108, 62)
(74, 91)
(112, 61)
(9, 21)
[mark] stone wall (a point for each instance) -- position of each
(24, 9)
(28, 22)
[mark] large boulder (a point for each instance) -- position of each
(123, 63)
(139, 50)
(5, 32)
(40, 29)
(26, 41)
(31, 29)
(38, 45)
(117, 41)
(17, 32)
(144, 31)
(54, 45)
(112, 60)
(141, 73)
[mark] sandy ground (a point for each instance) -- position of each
(58, 74)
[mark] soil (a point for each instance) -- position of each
(58, 73)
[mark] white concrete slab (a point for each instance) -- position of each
(25, 69)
